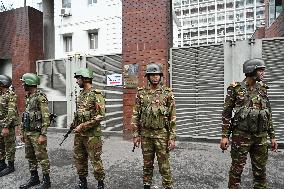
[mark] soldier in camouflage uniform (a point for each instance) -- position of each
(154, 125)
(34, 130)
(8, 121)
(90, 110)
(250, 125)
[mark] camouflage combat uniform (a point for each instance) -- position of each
(88, 143)
(8, 119)
(250, 126)
(36, 105)
(154, 119)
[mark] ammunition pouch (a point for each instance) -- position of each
(26, 120)
(155, 117)
(251, 120)
(81, 117)
(32, 121)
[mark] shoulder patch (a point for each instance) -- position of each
(234, 84)
(98, 91)
(140, 88)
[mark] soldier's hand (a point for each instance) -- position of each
(224, 143)
(5, 132)
(274, 145)
(171, 144)
(41, 139)
(79, 128)
(137, 141)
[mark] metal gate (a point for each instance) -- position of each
(200, 76)
(198, 81)
(58, 83)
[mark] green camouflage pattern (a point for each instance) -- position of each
(245, 137)
(8, 146)
(91, 147)
(257, 146)
(237, 97)
(8, 110)
(154, 113)
(88, 143)
(8, 119)
(158, 147)
(154, 120)
(37, 106)
(36, 153)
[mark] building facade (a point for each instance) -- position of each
(87, 27)
(215, 21)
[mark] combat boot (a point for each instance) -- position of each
(3, 165)
(33, 181)
(101, 184)
(9, 169)
(83, 184)
(45, 182)
(146, 186)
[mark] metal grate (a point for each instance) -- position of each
(274, 58)
(198, 84)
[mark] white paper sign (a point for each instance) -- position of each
(114, 79)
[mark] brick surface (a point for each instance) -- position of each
(146, 38)
(21, 40)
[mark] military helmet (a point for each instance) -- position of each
(30, 79)
(251, 65)
(154, 69)
(84, 72)
(5, 80)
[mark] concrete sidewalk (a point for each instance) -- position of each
(194, 166)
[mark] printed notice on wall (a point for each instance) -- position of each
(130, 75)
(114, 80)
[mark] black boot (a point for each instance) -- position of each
(9, 169)
(45, 182)
(147, 186)
(83, 184)
(101, 184)
(3, 165)
(33, 181)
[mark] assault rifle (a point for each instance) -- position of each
(66, 135)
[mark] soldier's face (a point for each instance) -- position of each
(260, 74)
(155, 79)
(80, 82)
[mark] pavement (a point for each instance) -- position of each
(195, 165)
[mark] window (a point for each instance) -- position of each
(66, 3)
(93, 39)
(92, 2)
(39, 6)
(67, 42)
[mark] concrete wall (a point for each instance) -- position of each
(21, 42)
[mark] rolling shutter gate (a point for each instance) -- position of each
(56, 74)
(198, 84)
(102, 66)
(273, 55)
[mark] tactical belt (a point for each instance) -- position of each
(32, 129)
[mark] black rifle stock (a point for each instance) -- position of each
(66, 135)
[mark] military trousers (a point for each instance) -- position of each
(152, 147)
(242, 144)
(88, 147)
(36, 153)
(8, 145)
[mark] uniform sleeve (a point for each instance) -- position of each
(43, 104)
(271, 132)
(99, 104)
(136, 117)
(172, 117)
(229, 104)
(12, 119)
